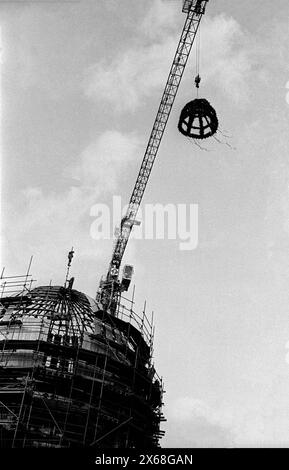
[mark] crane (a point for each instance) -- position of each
(110, 286)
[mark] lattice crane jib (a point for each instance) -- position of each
(110, 287)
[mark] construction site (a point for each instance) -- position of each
(73, 375)
(77, 371)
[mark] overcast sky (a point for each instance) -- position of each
(80, 84)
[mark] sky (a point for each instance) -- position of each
(80, 85)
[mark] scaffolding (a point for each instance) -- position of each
(71, 374)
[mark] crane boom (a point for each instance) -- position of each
(195, 10)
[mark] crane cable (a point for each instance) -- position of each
(198, 54)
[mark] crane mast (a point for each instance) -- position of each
(110, 286)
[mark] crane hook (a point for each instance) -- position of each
(197, 81)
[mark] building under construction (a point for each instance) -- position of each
(71, 374)
(77, 371)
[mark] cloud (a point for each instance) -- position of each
(160, 20)
(259, 419)
(40, 50)
(49, 223)
(132, 76)
(103, 161)
(228, 64)
(198, 425)
(128, 79)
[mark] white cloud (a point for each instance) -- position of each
(187, 408)
(43, 221)
(103, 161)
(193, 423)
(228, 64)
(263, 422)
(130, 78)
(133, 75)
(125, 81)
(160, 20)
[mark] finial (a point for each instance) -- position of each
(70, 256)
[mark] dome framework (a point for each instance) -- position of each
(198, 119)
(71, 375)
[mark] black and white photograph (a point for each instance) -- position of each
(144, 288)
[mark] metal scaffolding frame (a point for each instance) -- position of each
(72, 375)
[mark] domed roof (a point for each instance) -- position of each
(58, 304)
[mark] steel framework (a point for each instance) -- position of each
(71, 375)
